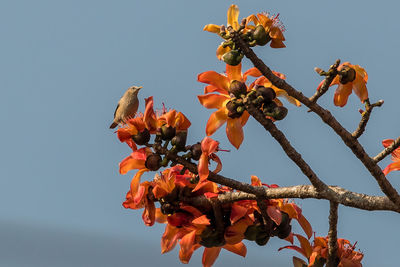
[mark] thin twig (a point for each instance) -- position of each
(332, 235)
(387, 150)
(330, 75)
(326, 117)
(365, 117)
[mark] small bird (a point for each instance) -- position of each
(127, 106)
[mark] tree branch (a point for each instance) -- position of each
(332, 235)
(287, 147)
(330, 75)
(365, 117)
(387, 150)
(326, 117)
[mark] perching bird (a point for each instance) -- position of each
(127, 106)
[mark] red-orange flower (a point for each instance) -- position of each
(350, 78)
(174, 119)
(318, 251)
(395, 166)
(208, 148)
(220, 84)
(272, 26)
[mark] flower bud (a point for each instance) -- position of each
(237, 88)
(260, 35)
(233, 57)
(280, 113)
(167, 132)
(179, 140)
(346, 75)
(167, 208)
(233, 113)
(266, 92)
(251, 233)
(196, 151)
(211, 238)
(284, 232)
(141, 138)
(153, 162)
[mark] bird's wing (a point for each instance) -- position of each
(115, 112)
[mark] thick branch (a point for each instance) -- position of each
(332, 235)
(365, 117)
(341, 196)
(287, 147)
(387, 150)
(326, 117)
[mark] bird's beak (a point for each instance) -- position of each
(140, 87)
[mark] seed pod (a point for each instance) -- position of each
(141, 138)
(346, 75)
(196, 151)
(167, 132)
(269, 108)
(237, 88)
(266, 92)
(233, 57)
(179, 140)
(153, 162)
(261, 36)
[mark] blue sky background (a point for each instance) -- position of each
(65, 64)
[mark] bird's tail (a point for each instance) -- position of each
(113, 125)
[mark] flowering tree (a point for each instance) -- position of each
(202, 208)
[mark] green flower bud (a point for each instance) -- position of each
(142, 137)
(231, 106)
(261, 36)
(233, 57)
(251, 233)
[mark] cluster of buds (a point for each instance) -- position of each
(209, 215)
(265, 29)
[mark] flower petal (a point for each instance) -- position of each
(212, 89)
(221, 51)
(239, 249)
(216, 120)
(130, 163)
(234, 72)
(186, 251)
(136, 180)
(233, 17)
(212, 100)
(395, 166)
(234, 132)
(305, 245)
(254, 72)
(214, 78)
(202, 167)
(305, 225)
(169, 238)
(210, 255)
(212, 28)
(342, 94)
(360, 89)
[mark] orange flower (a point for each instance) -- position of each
(233, 16)
(208, 147)
(350, 78)
(174, 119)
(137, 198)
(272, 26)
(318, 251)
(254, 72)
(136, 160)
(395, 166)
(220, 84)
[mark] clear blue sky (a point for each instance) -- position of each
(65, 64)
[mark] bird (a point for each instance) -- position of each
(127, 106)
